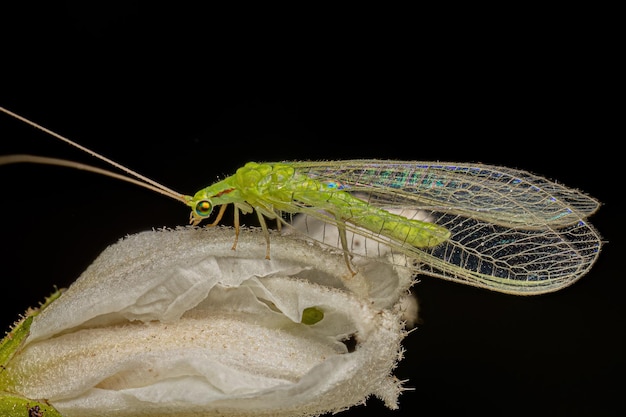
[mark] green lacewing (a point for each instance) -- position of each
(493, 227)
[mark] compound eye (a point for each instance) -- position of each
(204, 208)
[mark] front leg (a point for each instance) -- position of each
(219, 216)
(245, 208)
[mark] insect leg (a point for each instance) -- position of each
(266, 233)
(219, 216)
(239, 207)
(236, 224)
(344, 243)
(279, 225)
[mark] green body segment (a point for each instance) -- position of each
(413, 232)
(272, 188)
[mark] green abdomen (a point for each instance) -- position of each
(413, 232)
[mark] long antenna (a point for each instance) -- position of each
(145, 181)
(34, 159)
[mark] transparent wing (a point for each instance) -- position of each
(511, 231)
(496, 194)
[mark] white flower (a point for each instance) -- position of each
(176, 323)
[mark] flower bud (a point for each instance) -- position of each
(176, 323)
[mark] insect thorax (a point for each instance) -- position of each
(278, 181)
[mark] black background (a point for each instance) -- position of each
(186, 95)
